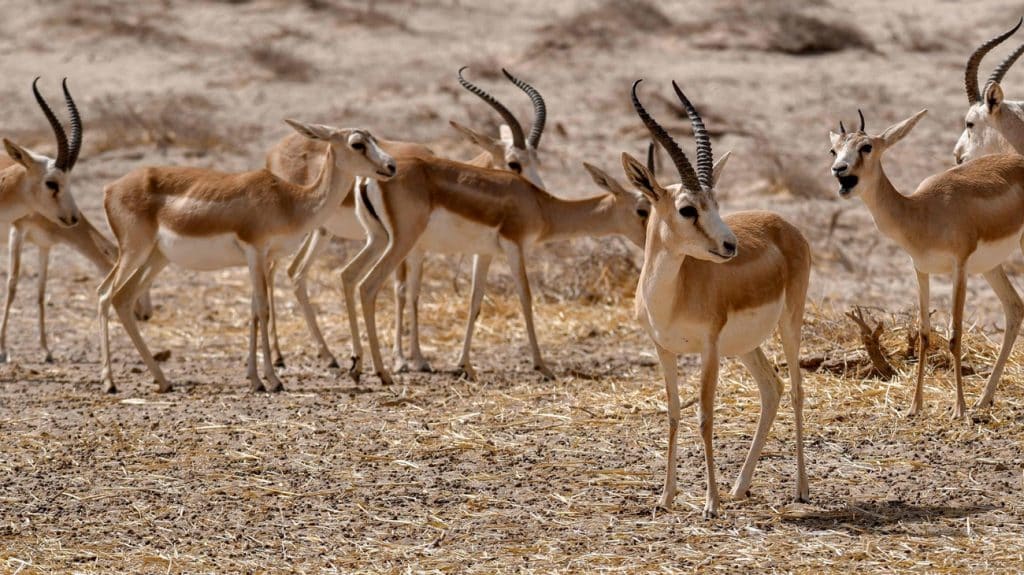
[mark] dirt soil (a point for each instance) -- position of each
(511, 473)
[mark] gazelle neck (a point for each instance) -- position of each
(1011, 125)
(327, 191)
(660, 278)
(565, 219)
(889, 208)
(13, 204)
(89, 242)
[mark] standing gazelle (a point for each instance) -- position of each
(993, 125)
(966, 220)
(718, 287)
(203, 219)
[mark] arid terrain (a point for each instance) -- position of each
(510, 473)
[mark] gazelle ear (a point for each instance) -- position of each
(603, 180)
(505, 133)
(312, 131)
(475, 137)
(641, 177)
(834, 138)
(18, 154)
(993, 96)
(897, 132)
(716, 171)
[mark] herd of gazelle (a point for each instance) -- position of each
(713, 285)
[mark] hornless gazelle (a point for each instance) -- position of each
(295, 159)
(966, 220)
(204, 220)
(718, 287)
(442, 206)
(993, 125)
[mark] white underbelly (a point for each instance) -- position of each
(744, 330)
(201, 253)
(986, 256)
(450, 233)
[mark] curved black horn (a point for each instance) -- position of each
(517, 131)
(861, 114)
(540, 111)
(1004, 66)
(842, 128)
(58, 130)
(75, 145)
(682, 163)
(705, 159)
(971, 73)
(651, 151)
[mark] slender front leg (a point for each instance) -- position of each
(124, 302)
(14, 243)
(257, 260)
(415, 263)
(669, 371)
(517, 264)
(396, 251)
(959, 295)
(351, 274)
(924, 330)
(770, 389)
(1013, 309)
(706, 421)
(314, 243)
(276, 344)
(44, 272)
(401, 283)
(789, 329)
(481, 263)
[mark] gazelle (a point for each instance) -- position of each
(993, 125)
(44, 234)
(442, 206)
(203, 219)
(966, 220)
(295, 158)
(718, 287)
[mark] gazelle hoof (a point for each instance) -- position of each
(48, 358)
(164, 387)
(333, 364)
(466, 372)
(109, 387)
(257, 386)
(279, 362)
(710, 513)
(385, 378)
(3, 357)
(547, 373)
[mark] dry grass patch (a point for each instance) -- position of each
(600, 27)
(279, 62)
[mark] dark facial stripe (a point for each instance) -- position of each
(364, 193)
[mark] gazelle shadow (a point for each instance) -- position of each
(858, 516)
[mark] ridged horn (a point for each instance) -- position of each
(58, 130)
(971, 72)
(540, 111)
(842, 128)
(705, 159)
(682, 163)
(75, 143)
(517, 131)
(1004, 66)
(651, 151)
(861, 114)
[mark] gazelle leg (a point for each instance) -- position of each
(924, 331)
(44, 271)
(669, 371)
(257, 260)
(272, 305)
(297, 270)
(1013, 308)
(789, 329)
(770, 388)
(706, 421)
(376, 243)
(959, 295)
(14, 245)
(400, 283)
(129, 262)
(517, 264)
(415, 263)
(481, 263)
(397, 249)
(124, 300)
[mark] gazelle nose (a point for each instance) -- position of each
(959, 159)
(392, 169)
(839, 169)
(729, 247)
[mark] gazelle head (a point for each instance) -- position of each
(858, 156)
(513, 151)
(685, 216)
(629, 210)
(45, 187)
(991, 122)
(355, 150)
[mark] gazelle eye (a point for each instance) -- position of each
(515, 167)
(53, 187)
(833, 152)
(688, 212)
(866, 149)
(359, 146)
(642, 213)
(970, 125)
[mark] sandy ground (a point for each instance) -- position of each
(511, 473)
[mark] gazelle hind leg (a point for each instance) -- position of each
(956, 339)
(298, 269)
(415, 282)
(924, 333)
(275, 344)
(44, 272)
(401, 283)
(481, 263)
(256, 257)
(14, 244)
(517, 263)
(129, 262)
(351, 274)
(789, 330)
(770, 389)
(124, 301)
(1013, 308)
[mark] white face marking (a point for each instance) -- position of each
(980, 136)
